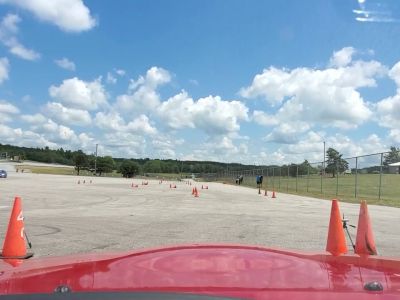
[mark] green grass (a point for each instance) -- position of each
(342, 187)
(61, 171)
(167, 176)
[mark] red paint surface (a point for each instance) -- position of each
(226, 270)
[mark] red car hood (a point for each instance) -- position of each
(222, 270)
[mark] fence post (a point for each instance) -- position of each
(337, 178)
(308, 176)
(297, 175)
(280, 174)
(273, 178)
(322, 174)
(356, 183)
(380, 178)
(287, 182)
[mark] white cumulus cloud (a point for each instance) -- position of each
(7, 111)
(142, 95)
(388, 109)
(328, 96)
(76, 93)
(34, 119)
(4, 69)
(8, 36)
(210, 114)
(68, 15)
(70, 116)
(342, 57)
(66, 64)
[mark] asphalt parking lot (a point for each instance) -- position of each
(64, 217)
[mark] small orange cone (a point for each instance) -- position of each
(265, 193)
(14, 243)
(365, 242)
(192, 191)
(273, 194)
(336, 242)
(196, 193)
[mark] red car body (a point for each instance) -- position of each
(250, 272)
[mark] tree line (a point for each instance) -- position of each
(334, 163)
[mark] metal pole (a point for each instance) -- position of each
(322, 174)
(297, 175)
(308, 176)
(280, 174)
(95, 161)
(355, 186)
(287, 182)
(324, 159)
(337, 179)
(273, 178)
(380, 178)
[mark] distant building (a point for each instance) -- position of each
(394, 168)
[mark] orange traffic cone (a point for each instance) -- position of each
(336, 242)
(192, 191)
(265, 193)
(196, 193)
(273, 194)
(365, 242)
(14, 243)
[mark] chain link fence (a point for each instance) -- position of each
(351, 179)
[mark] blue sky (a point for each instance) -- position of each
(239, 81)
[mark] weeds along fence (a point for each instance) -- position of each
(364, 177)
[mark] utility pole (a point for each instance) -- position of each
(324, 160)
(95, 160)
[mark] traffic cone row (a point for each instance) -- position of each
(266, 193)
(336, 242)
(84, 181)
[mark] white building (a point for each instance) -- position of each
(394, 168)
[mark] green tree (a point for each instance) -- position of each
(152, 166)
(335, 162)
(80, 160)
(105, 164)
(393, 156)
(129, 168)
